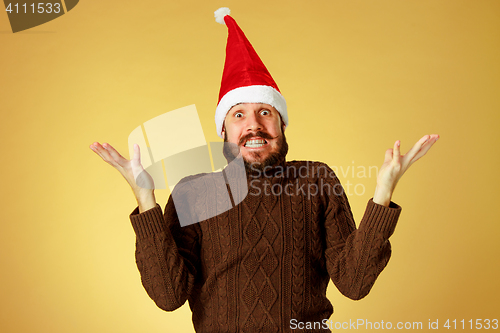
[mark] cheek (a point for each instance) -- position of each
(277, 130)
(232, 136)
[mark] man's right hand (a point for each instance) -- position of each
(140, 181)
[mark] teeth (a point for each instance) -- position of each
(255, 143)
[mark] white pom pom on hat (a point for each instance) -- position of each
(220, 13)
(245, 78)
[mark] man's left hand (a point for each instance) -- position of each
(395, 165)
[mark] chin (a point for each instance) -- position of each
(255, 157)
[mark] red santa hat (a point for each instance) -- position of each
(245, 78)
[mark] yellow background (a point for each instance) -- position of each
(357, 75)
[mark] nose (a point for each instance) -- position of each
(253, 123)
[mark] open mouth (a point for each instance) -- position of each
(255, 143)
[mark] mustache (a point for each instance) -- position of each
(260, 134)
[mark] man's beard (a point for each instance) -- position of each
(231, 151)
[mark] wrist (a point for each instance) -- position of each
(382, 195)
(145, 200)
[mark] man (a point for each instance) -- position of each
(263, 265)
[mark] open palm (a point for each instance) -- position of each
(395, 164)
(132, 170)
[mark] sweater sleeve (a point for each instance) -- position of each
(356, 256)
(166, 255)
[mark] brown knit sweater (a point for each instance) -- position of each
(267, 262)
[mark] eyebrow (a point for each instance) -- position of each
(243, 110)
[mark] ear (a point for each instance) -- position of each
(223, 128)
(282, 124)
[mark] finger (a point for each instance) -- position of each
(104, 153)
(97, 148)
(434, 137)
(416, 147)
(94, 146)
(409, 157)
(425, 148)
(114, 153)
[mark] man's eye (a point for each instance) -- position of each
(265, 112)
(238, 115)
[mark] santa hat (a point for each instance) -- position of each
(245, 78)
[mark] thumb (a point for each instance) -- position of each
(388, 155)
(141, 176)
(137, 153)
(137, 167)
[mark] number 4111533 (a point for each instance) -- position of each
(41, 8)
(478, 324)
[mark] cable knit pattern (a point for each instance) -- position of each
(298, 269)
(268, 260)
